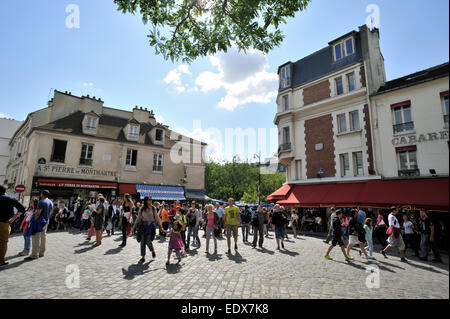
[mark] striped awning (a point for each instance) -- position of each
(158, 192)
(197, 194)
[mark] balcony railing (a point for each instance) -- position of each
(409, 172)
(284, 147)
(86, 161)
(403, 127)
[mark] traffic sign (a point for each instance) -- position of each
(19, 188)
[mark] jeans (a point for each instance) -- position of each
(258, 231)
(369, 247)
(209, 231)
(194, 232)
(410, 241)
(38, 242)
(183, 237)
(27, 246)
(146, 242)
(124, 230)
(245, 230)
(425, 246)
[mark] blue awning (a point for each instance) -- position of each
(158, 192)
(197, 194)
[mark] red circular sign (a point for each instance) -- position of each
(19, 188)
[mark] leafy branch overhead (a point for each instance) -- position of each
(187, 29)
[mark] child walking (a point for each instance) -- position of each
(26, 226)
(175, 242)
(369, 230)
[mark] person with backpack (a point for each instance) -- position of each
(246, 217)
(279, 220)
(193, 220)
(258, 220)
(357, 234)
(146, 221)
(212, 222)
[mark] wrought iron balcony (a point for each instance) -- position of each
(409, 172)
(284, 147)
(403, 127)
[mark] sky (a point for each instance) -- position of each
(109, 57)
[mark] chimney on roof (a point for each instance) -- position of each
(87, 96)
(70, 93)
(140, 114)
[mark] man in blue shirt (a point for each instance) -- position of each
(7, 217)
(39, 226)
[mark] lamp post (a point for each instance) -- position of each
(259, 176)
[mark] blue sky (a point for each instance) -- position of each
(109, 57)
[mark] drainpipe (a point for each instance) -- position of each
(369, 104)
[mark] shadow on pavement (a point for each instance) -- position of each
(352, 264)
(83, 250)
(266, 251)
(213, 257)
(237, 258)
(173, 268)
(114, 251)
(288, 252)
(136, 270)
(13, 265)
(13, 257)
(192, 252)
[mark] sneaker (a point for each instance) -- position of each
(282, 245)
(404, 260)
(167, 263)
(4, 263)
(229, 251)
(328, 257)
(23, 253)
(153, 254)
(142, 260)
(349, 258)
(383, 253)
(235, 247)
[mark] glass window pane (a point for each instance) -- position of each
(412, 160)
(342, 125)
(351, 82)
(403, 160)
(446, 105)
(407, 114)
(349, 46)
(398, 116)
(339, 86)
(338, 51)
(354, 118)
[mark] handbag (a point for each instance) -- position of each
(140, 232)
(389, 231)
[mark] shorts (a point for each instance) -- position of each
(353, 240)
(396, 242)
(337, 241)
(280, 232)
(231, 229)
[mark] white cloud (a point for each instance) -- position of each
(180, 89)
(4, 115)
(174, 76)
(90, 84)
(243, 76)
(184, 68)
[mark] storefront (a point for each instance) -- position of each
(71, 190)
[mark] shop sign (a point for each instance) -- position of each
(411, 139)
(61, 170)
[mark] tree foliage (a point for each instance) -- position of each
(187, 29)
(240, 181)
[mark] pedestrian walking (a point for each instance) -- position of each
(380, 229)
(212, 222)
(356, 232)
(99, 221)
(279, 220)
(61, 216)
(258, 227)
(395, 239)
(293, 223)
(175, 242)
(246, 218)
(165, 220)
(369, 230)
(39, 225)
(330, 225)
(146, 221)
(232, 220)
(7, 217)
(409, 235)
(127, 208)
(337, 236)
(220, 212)
(193, 219)
(85, 218)
(26, 227)
(427, 238)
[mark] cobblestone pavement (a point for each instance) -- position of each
(299, 271)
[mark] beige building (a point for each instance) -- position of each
(77, 147)
(7, 129)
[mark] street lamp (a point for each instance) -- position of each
(258, 156)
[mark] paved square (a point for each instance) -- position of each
(300, 271)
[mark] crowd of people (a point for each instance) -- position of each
(180, 223)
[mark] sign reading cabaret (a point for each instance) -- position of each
(421, 138)
(68, 171)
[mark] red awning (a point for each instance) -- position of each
(280, 193)
(422, 193)
(70, 183)
(127, 188)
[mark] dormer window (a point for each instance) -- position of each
(285, 77)
(344, 48)
(133, 131)
(159, 135)
(91, 123)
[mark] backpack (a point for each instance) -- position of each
(192, 219)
